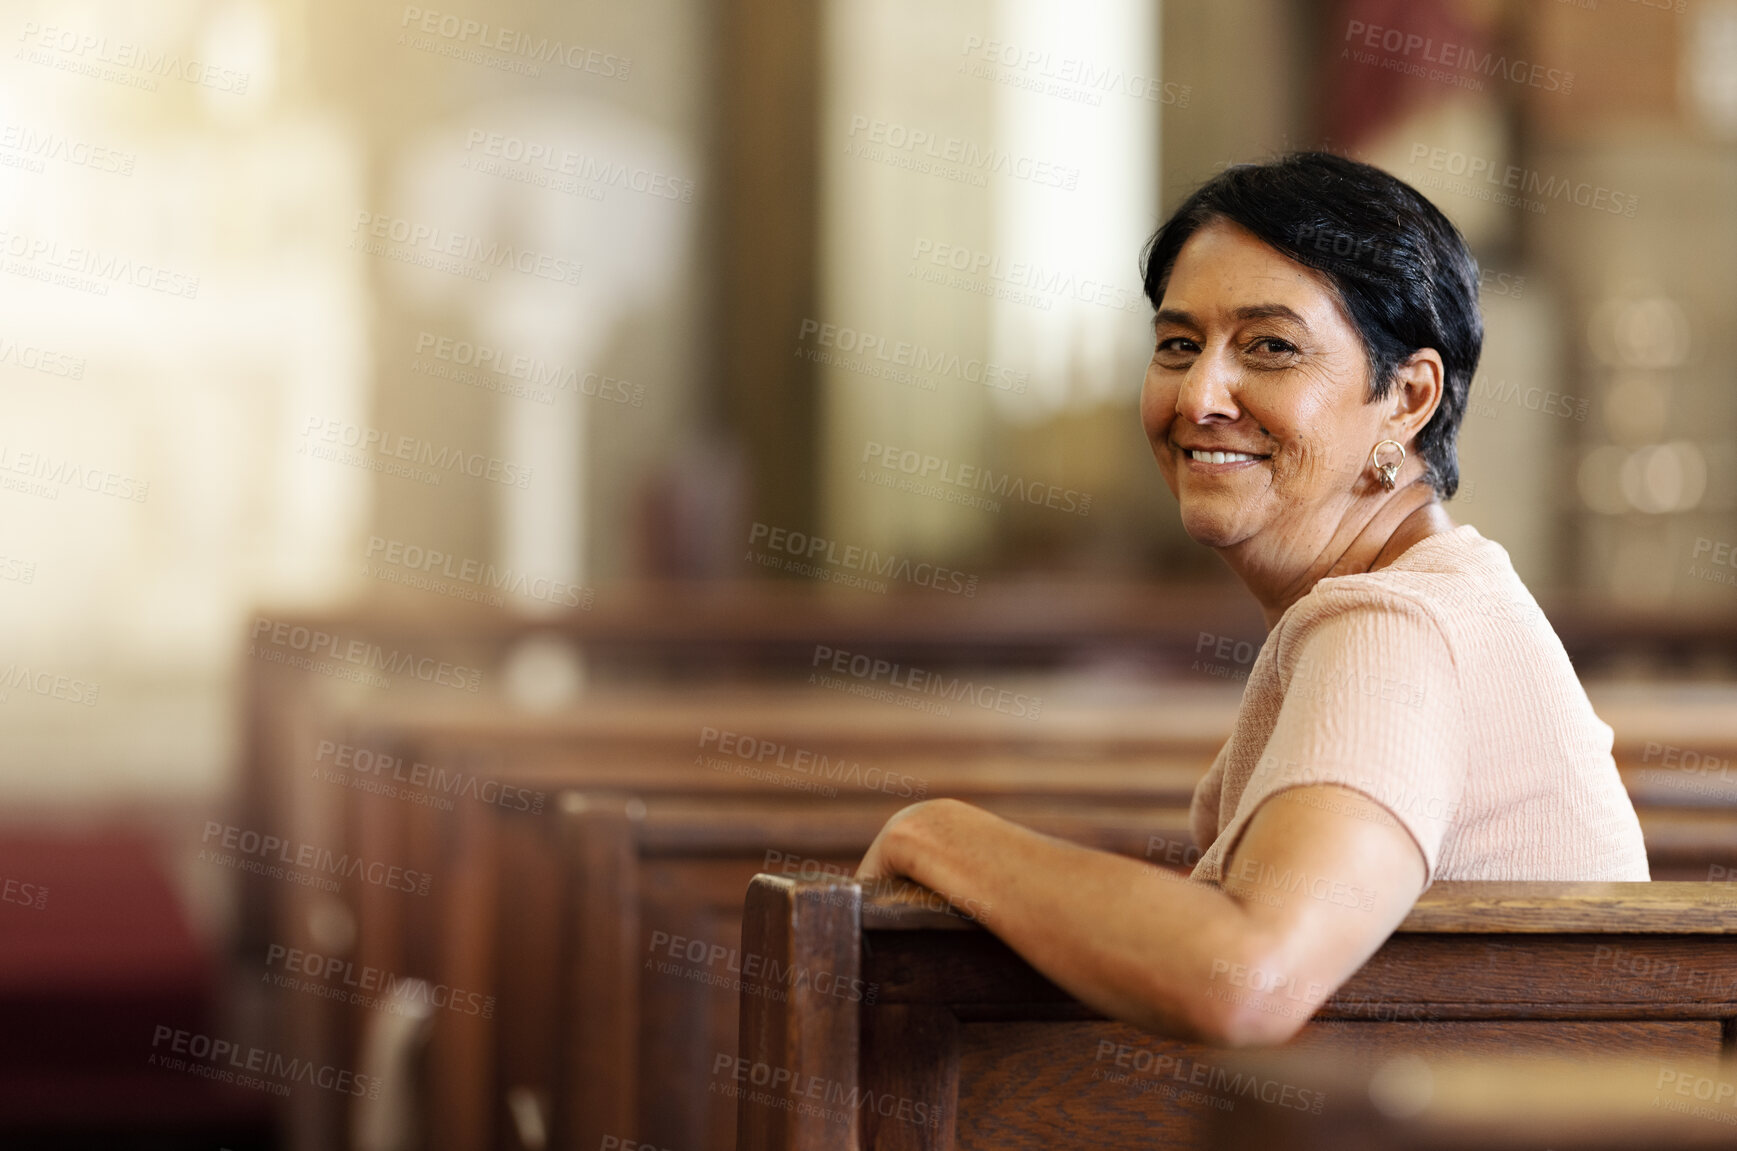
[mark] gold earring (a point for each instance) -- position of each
(1387, 472)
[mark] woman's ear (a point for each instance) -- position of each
(1418, 387)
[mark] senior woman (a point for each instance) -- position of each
(1411, 715)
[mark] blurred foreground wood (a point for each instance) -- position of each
(1590, 1103)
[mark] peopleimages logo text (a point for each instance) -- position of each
(1527, 181)
(759, 750)
(871, 669)
(1458, 57)
(56, 474)
(41, 253)
(437, 241)
(323, 436)
(854, 558)
(974, 477)
(258, 847)
(969, 156)
(918, 359)
(316, 643)
(485, 362)
(529, 46)
(432, 561)
(93, 50)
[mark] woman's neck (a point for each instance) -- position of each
(1359, 544)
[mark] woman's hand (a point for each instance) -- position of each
(891, 855)
(908, 861)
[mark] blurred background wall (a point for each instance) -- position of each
(591, 297)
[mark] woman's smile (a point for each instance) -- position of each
(1220, 462)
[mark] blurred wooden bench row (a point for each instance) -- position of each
(615, 837)
(771, 631)
(579, 858)
(568, 915)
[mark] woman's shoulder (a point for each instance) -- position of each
(1454, 580)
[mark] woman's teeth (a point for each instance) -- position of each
(1221, 457)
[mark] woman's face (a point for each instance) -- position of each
(1255, 355)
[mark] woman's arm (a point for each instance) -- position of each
(1320, 879)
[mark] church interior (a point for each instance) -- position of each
(545, 483)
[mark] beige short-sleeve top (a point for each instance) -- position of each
(1436, 687)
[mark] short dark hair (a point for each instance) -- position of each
(1400, 267)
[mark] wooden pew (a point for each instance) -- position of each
(648, 750)
(1517, 1103)
(639, 635)
(762, 630)
(1159, 742)
(1695, 845)
(608, 932)
(1156, 743)
(966, 1045)
(664, 633)
(560, 894)
(1144, 747)
(648, 744)
(1154, 732)
(650, 737)
(1675, 743)
(1674, 750)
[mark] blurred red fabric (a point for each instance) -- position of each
(96, 953)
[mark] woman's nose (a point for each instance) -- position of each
(1207, 390)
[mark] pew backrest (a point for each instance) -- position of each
(965, 1043)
